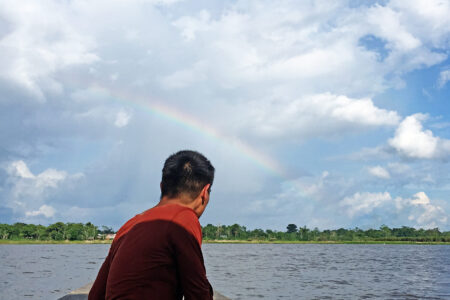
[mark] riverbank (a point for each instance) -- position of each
(323, 242)
(40, 242)
(22, 242)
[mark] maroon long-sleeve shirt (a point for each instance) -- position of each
(155, 255)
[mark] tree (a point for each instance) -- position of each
(386, 231)
(106, 230)
(57, 231)
(209, 231)
(90, 231)
(5, 231)
(16, 230)
(219, 231)
(75, 231)
(235, 230)
(41, 233)
(303, 231)
(258, 234)
(269, 234)
(291, 228)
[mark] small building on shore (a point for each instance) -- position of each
(110, 236)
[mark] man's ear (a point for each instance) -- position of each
(204, 193)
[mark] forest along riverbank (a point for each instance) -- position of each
(78, 232)
(108, 242)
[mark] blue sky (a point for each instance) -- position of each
(326, 114)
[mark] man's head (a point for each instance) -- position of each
(186, 174)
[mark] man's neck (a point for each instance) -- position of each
(183, 201)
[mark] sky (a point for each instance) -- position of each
(327, 114)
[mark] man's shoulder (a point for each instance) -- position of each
(186, 217)
(185, 214)
(187, 220)
(180, 215)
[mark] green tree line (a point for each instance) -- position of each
(59, 231)
(294, 233)
(78, 231)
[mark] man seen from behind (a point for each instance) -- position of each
(157, 254)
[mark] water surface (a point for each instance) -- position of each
(249, 271)
(321, 271)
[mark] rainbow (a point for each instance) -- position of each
(176, 116)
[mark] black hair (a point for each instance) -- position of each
(186, 172)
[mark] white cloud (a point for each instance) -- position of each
(444, 77)
(310, 200)
(417, 174)
(388, 25)
(335, 199)
(418, 209)
(287, 70)
(411, 140)
(189, 25)
(45, 210)
(186, 77)
(420, 199)
(28, 190)
(422, 211)
(29, 184)
(50, 178)
(20, 169)
(411, 31)
(427, 20)
(42, 41)
(364, 203)
(323, 114)
(315, 187)
(379, 172)
(362, 111)
(295, 48)
(122, 118)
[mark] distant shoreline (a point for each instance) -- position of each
(322, 242)
(37, 242)
(93, 242)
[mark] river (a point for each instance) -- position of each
(251, 271)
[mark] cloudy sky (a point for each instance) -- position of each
(319, 113)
